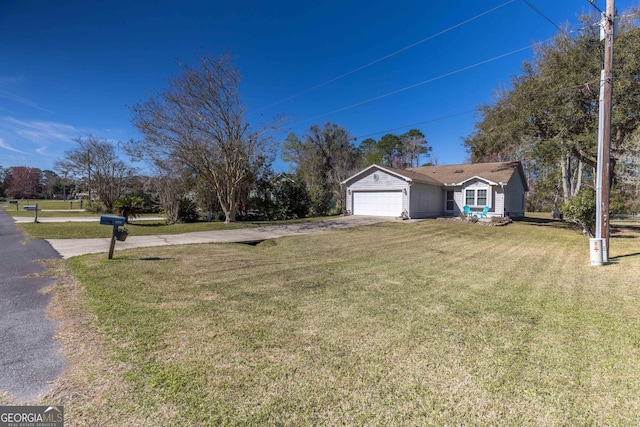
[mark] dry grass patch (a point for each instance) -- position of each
(139, 227)
(436, 322)
(93, 388)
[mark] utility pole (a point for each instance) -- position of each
(603, 179)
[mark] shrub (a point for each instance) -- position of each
(320, 198)
(582, 210)
(93, 206)
(188, 210)
(129, 207)
(291, 199)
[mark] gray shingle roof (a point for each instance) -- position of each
(413, 175)
(450, 174)
(500, 172)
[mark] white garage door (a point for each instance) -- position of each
(377, 203)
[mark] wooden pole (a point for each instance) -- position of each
(113, 242)
(603, 172)
(606, 131)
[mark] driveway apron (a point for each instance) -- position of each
(29, 356)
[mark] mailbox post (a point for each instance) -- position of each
(117, 234)
(33, 208)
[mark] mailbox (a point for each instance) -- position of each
(30, 207)
(112, 220)
(121, 234)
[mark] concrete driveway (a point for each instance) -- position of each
(72, 247)
(24, 219)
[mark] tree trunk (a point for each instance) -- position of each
(565, 177)
(577, 184)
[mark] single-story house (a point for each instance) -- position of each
(432, 191)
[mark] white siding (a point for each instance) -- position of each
(495, 197)
(426, 200)
(478, 185)
(499, 201)
(459, 198)
(384, 183)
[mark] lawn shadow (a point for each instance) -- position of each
(535, 220)
(546, 222)
(255, 242)
(154, 258)
(624, 256)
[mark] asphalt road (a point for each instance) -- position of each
(29, 356)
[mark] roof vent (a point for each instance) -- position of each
(459, 171)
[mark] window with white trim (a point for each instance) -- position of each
(481, 197)
(476, 197)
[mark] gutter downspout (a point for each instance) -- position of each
(409, 199)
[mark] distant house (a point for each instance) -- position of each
(432, 191)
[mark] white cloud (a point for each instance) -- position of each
(7, 91)
(10, 148)
(10, 81)
(42, 132)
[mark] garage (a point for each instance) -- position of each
(377, 203)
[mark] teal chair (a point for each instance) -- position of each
(467, 211)
(483, 213)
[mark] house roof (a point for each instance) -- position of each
(404, 174)
(499, 172)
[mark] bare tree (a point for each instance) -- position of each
(199, 121)
(96, 162)
(169, 190)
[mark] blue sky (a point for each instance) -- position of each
(70, 67)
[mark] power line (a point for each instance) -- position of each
(460, 70)
(535, 9)
(355, 70)
(437, 119)
(592, 3)
(566, 89)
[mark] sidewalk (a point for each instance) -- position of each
(68, 248)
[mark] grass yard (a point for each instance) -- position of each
(47, 205)
(428, 323)
(138, 227)
(90, 230)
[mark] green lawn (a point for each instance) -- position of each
(428, 323)
(138, 227)
(42, 204)
(86, 230)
